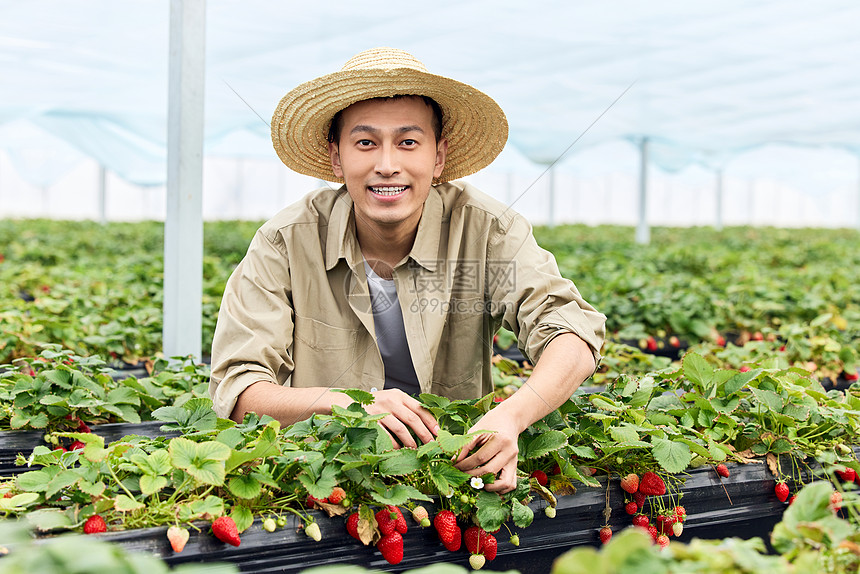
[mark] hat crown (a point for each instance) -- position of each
(383, 59)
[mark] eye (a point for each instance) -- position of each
(409, 143)
(364, 143)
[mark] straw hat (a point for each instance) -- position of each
(474, 124)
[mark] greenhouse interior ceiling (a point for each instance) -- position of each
(702, 83)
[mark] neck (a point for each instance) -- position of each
(387, 244)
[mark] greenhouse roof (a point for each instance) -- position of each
(702, 81)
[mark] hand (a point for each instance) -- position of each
(405, 412)
(497, 452)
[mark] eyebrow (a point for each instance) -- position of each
(370, 129)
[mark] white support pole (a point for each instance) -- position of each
(183, 227)
(718, 225)
(551, 215)
(509, 188)
(643, 232)
(102, 194)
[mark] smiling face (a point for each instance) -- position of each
(387, 155)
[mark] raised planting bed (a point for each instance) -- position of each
(752, 511)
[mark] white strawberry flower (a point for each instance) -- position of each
(477, 483)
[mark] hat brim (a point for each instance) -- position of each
(473, 123)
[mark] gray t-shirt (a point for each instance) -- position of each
(391, 334)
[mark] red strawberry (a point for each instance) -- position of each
(836, 500)
(177, 536)
(456, 540)
(665, 522)
(77, 445)
(639, 499)
(630, 483)
(652, 485)
(781, 490)
(490, 545)
(446, 525)
(744, 369)
(681, 513)
(95, 524)
(337, 495)
(310, 500)
(640, 520)
(540, 476)
(83, 427)
(556, 470)
(651, 343)
(352, 525)
(478, 541)
(391, 547)
(757, 336)
(674, 341)
(720, 340)
(224, 529)
(399, 521)
(390, 519)
(791, 500)
(631, 508)
(605, 534)
(847, 475)
(851, 376)
(723, 470)
(652, 530)
(662, 540)
(385, 522)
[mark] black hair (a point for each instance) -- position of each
(337, 120)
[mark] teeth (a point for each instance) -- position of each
(388, 190)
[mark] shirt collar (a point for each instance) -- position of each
(342, 243)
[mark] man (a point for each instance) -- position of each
(396, 282)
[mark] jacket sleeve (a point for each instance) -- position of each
(532, 298)
(254, 332)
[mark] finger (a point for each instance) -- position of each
(505, 482)
(399, 430)
(421, 420)
(482, 461)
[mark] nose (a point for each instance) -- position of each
(387, 162)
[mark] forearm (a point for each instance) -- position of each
(286, 404)
(566, 362)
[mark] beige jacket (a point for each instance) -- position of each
(296, 311)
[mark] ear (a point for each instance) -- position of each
(335, 160)
(441, 154)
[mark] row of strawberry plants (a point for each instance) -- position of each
(656, 426)
(97, 289)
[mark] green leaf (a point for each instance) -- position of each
(150, 484)
(698, 371)
(491, 512)
(739, 381)
(768, 398)
(545, 444)
(246, 487)
(93, 489)
(124, 503)
(33, 481)
(211, 505)
(445, 477)
(242, 516)
(157, 463)
(19, 502)
(672, 456)
(361, 438)
(583, 451)
(694, 446)
(64, 478)
(398, 495)
(624, 434)
(48, 520)
(453, 444)
(521, 514)
(403, 462)
(203, 461)
(360, 396)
